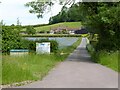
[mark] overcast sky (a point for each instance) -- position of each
(10, 10)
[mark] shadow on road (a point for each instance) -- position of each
(80, 55)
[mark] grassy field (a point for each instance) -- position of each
(48, 27)
(32, 67)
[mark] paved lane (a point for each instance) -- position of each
(78, 71)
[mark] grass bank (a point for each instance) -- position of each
(31, 67)
(109, 59)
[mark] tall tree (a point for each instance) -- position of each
(40, 7)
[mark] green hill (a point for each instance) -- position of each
(48, 27)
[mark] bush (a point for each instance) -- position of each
(27, 44)
(90, 48)
(93, 43)
(30, 30)
(92, 52)
(10, 39)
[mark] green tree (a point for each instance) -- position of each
(30, 30)
(104, 20)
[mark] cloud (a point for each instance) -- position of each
(10, 10)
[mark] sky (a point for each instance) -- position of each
(10, 10)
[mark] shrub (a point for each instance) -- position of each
(90, 48)
(10, 38)
(54, 46)
(92, 52)
(27, 44)
(30, 30)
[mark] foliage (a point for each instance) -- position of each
(71, 14)
(30, 30)
(27, 44)
(104, 21)
(10, 38)
(90, 48)
(40, 7)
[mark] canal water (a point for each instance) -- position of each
(62, 41)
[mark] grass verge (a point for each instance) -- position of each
(31, 67)
(109, 59)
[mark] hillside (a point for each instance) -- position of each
(48, 27)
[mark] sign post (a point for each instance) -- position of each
(42, 48)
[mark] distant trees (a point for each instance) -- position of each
(71, 14)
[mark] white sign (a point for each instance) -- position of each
(42, 48)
